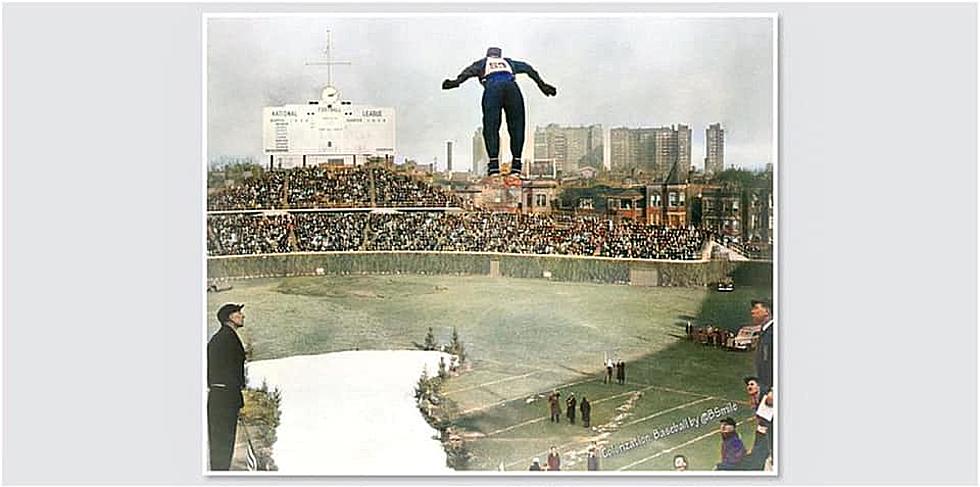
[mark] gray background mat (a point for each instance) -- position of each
(103, 253)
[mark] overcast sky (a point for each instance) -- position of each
(638, 71)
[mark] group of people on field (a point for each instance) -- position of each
(620, 367)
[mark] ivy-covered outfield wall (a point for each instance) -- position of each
(560, 268)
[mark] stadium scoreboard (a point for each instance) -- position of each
(337, 129)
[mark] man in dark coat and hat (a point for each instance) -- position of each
(554, 406)
(226, 379)
(586, 410)
(570, 404)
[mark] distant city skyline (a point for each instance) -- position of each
(635, 71)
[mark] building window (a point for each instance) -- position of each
(542, 200)
(672, 198)
(585, 203)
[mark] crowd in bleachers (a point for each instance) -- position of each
(395, 189)
(638, 241)
(318, 187)
(265, 191)
(460, 232)
(242, 234)
(486, 232)
(330, 187)
(377, 186)
(320, 232)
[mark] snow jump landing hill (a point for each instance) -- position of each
(352, 413)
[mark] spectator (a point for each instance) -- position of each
(756, 459)
(586, 410)
(592, 461)
(554, 407)
(535, 465)
(570, 404)
(732, 449)
(680, 463)
(226, 379)
(761, 316)
(554, 459)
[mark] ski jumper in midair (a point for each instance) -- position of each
(500, 92)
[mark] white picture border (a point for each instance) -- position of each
(774, 17)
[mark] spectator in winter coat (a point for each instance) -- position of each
(570, 404)
(535, 464)
(593, 459)
(554, 459)
(586, 409)
(554, 406)
(226, 379)
(756, 459)
(732, 449)
(761, 316)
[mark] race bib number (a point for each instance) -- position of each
(497, 65)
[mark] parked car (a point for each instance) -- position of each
(746, 339)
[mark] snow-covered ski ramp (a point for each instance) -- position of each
(352, 413)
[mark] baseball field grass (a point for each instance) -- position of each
(524, 338)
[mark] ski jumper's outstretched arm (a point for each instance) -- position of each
(472, 71)
(522, 67)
